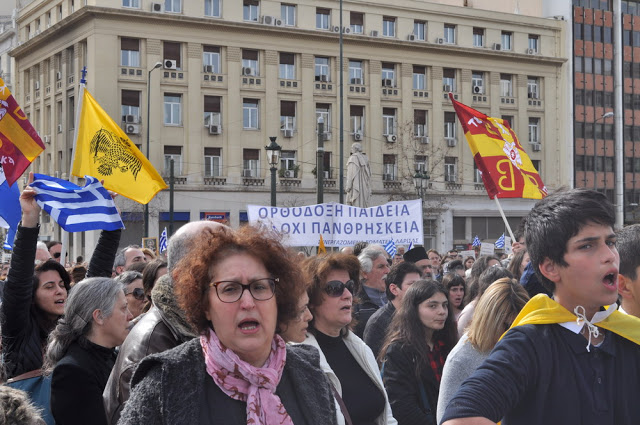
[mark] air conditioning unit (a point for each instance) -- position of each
(477, 89)
(322, 78)
(536, 147)
(387, 82)
(387, 177)
(391, 138)
(439, 40)
(423, 139)
(46, 139)
(131, 119)
(289, 174)
(451, 142)
(268, 20)
(357, 136)
(447, 88)
(247, 173)
(170, 64)
(411, 37)
(58, 76)
(356, 81)
(287, 132)
(157, 7)
(36, 85)
(248, 71)
(208, 68)
(132, 129)
(215, 129)
(335, 29)
(531, 51)
(59, 128)
(374, 33)
(279, 23)
(346, 30)
(497, 46)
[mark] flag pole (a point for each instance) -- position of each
(506, 223)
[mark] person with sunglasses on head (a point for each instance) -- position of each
(134, 291)
(234, 286)
(346, 360)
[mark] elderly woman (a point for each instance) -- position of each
(345, 358)
(81, 350)
(372, 293)
(234, 286)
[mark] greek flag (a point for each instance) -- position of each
(163, 241)
(476, 241)
(75, 208)
(390, 247)
(10, 211)
(500, 242)
(410, 247)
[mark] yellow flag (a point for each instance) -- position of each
(321, 248)
(104, 151)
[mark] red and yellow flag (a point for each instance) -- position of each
(507, 171)
(19, 141)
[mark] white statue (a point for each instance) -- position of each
(358, 178)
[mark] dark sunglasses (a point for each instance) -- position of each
(138, 294)
(335, 288)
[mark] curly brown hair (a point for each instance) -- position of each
(318, 268)
(194, 272)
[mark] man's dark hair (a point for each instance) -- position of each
(53, 243)
(559, 217)
(519, 233)
(397, 274)
(629, 249)
(489, 276)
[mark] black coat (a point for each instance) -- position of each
(77, 384)
(362, 311)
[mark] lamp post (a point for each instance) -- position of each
(273, 158)
(421, 183)
(146, 206)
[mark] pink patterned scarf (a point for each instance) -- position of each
(242, 381)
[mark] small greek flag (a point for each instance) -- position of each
(163, 241)
(476, 241)
(410, 247)
(390, 247)
(75, 208)
(500, 242)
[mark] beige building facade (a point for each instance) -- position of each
(234, 73)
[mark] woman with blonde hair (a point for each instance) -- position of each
(494, 313)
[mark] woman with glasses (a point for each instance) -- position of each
(346, 360)
(132, 283)
(234, 286)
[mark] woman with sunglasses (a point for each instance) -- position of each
(346, 360)
(234, 286)
(132, 283)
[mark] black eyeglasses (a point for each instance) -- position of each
(229, 291)
(335, 288)
(138, 293)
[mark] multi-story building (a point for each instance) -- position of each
(8, 41)
(234, 73)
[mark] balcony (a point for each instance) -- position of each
(215, 181)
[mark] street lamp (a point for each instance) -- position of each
(421, 183)
(273, 159)
(146, 206)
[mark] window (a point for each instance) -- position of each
(389, 168)
(419, 77)
(420, 30)
(131, 3)
(130, 105)
(420, 123)
(322, 69)
(250, 112)
(449, 34)
(288, 163)
(533, 43)
(388, 26)
(323, 18)
(287, 70)
(478, 37)
(172, 109)
(250, 64)
(388, 121)
(251, 162)
(421, 163)
(356, 114)
(172, 51)
(130, 52)
(477, 82)
(450, 169)
(211, 59)
(507, 40)
(537, 164)
(175, 153)
(533, 88)
(388, 74)
(173, 6)
(506, 85)
(508, 119)
(355, 72)
(212, 8)
(212, 162)
(450, 126)
(288, 15)
(250, 10)
(287, 115)
(534, 130)
(357, 22)
(448, 80)
(212, 110)
(477, 174)
(323, 110)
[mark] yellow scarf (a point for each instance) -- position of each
(542, 310)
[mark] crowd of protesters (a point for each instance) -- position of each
(233, 327)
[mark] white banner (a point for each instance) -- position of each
(344, 225)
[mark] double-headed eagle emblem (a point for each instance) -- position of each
(113, 153)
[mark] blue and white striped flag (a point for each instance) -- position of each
(10, 211)
(390, 247)
(476, 241)
(163, 241)
(500, 242)
(75, 208)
